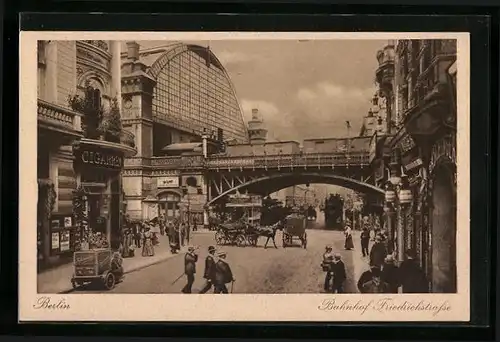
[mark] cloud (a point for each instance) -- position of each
(322, 109)
(229, 58)
(327, 91)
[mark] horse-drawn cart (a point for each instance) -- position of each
(231, 233)
(295, 227)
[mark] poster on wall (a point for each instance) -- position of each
(55, 240)
(64, 241)
(68, 221)
(55, 224)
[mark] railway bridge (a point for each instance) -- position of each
(199, 182)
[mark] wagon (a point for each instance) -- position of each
(231, 233)
(295, 227)
(94, 266)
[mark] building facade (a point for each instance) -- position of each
(81, 146)
(180, 103)
(419, 155)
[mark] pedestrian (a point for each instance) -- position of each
(162, 224)
(376, 285)
(195, 224)
(412, 277)
(365, 241)
(137, 235)
(147, 248)
(223, 274)
(366, 276)
(183, 232)
(390, 274)
(339, 274)
(348, 245)
(188, 231)
(209, 273)
(378, 252)
(171, 232)
(326, 265)
(190, 260)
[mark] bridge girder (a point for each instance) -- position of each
(267, 184)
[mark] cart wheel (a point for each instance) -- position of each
(219, 238)
(109, 281)
(240, 241)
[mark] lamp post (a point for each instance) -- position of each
(397, 199)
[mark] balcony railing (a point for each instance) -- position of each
(59, 118)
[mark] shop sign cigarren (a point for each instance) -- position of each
(101, 159)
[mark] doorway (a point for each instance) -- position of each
(443, 232)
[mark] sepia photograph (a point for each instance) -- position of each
(246, 166)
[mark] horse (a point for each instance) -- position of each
(270, 232)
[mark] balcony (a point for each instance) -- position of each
(385, 71)
(430, 99)
(121, 148)
(60, 119)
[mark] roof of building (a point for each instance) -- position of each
(182, 146)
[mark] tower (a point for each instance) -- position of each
(256, 130)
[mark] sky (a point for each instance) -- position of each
(303, 89)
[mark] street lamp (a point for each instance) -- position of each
(397, 199)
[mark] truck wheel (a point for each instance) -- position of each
(109, 281)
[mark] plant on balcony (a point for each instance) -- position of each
(111, 126)
(89, 105)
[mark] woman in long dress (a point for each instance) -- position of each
(348, 245)
(148, 249)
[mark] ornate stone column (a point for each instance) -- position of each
(51, 71)
(116, 74)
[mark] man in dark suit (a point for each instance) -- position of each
(136, 232)
(339, 274)
(365, 240)
(223, 274)
(209, 274)
(190, 268)
(378, 252)
(412, 277)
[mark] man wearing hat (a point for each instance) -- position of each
(339, 274)
(190, 268)
(366, 276)
(209, 274)
(378, 252)
(327, 267)
(223, 274)
(390, 274)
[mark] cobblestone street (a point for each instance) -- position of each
(256, 270)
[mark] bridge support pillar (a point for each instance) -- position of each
(205, 218)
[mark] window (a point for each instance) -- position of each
(195, 96)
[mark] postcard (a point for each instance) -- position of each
(208, 176)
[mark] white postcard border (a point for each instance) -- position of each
(235, 307)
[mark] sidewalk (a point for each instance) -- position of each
(58, 279)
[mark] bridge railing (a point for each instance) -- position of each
(265, 161)
(291, 160)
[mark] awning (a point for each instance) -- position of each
(182, 146)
